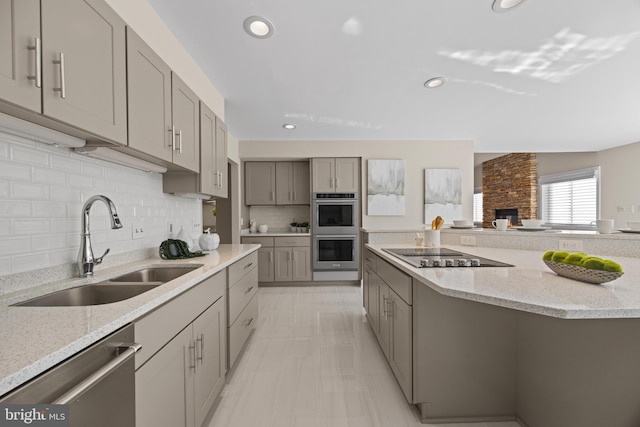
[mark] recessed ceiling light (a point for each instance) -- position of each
(258, 27)
(505, 5)
(289, 126)
(434, 82)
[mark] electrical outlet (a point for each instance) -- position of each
(137, 230)
(196, 227)
(571, 245)
(468, 240)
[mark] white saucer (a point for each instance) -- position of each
(462, 227)
(531, 228)
(629, 230)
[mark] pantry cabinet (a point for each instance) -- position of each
(66, 60)
(335, 175)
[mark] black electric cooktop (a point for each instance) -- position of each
(442, 257)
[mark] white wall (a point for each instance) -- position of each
(619, 183)
(417, 155)
(42, 190)
(140, 16)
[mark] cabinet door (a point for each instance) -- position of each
(384, 328)
(208, 172)
(186, 122)
(19, 30)
(324, 173)
(365, 289)
(165, 381)
(90, 37)
(346, 175)
(284, 183)
(373, 314)
(210, 337)
(282, 264)
(260, 183)
(401, 348)
(265, 265)
(149, 99)
(301, 184)
(222, 183)
(301, 264)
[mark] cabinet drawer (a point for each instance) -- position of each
(396, 279)
(293, 241)
(158, 327)
(266, 242)
(240, 330)
(241, 267)
(370, 260)
(242, 293)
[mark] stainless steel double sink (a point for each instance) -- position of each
(113, 290)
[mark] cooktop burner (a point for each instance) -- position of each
(442, 257)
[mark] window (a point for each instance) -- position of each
(477, 207)
(570, 199)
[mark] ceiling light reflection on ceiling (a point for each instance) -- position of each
(289, 126)
(505, 5)
(434, 82)
(258, 27)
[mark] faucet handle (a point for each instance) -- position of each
(99, 260)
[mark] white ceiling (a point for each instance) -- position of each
(550, 75)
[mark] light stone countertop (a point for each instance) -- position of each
(275, 233)
(36, 338)
(530, 286)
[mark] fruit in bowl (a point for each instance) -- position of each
(580, 266)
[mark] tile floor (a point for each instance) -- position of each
(314, 362)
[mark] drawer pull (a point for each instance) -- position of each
(248, 265)
(192, 356)
(248, 322)
(201, 341)
(248, 290)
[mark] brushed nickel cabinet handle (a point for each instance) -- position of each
(200, 340)
(179, 134)
(192, 354)
(173, 137)
(248, 322)
(37, 47)
(248, 265)
(62, 88)
(248, 289)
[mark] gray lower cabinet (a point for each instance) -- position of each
(390, 314)
(283, 259)
(242, 288)
(67, 61)
(182, 364)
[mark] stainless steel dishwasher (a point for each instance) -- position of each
(98, 384)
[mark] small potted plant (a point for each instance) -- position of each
(293, 226)
(305, 227)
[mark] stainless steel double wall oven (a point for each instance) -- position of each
(335, 236)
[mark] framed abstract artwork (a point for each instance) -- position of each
(385, 187)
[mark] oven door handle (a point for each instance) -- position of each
(99, 375)
(336, 236)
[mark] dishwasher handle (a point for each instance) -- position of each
(93, 379)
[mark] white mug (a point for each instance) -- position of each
(500, 224)
(604, 226)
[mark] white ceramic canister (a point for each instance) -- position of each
(209, 241)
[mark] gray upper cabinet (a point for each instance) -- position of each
(221, 171)
(76, 73)
(84, 68)
(149, 103)
(186, 125)
(213, 154)
(292, 183)
(164, 113)
(19, 59)
(335, 175)
(260, 183)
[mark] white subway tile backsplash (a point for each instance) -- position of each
(15, 171)
(42, 191)
(25, 191)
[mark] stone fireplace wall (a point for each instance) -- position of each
(510, 181)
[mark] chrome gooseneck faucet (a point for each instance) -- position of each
(86, 260)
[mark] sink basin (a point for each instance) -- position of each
(96, 294)
(113, 290)
(155, 274)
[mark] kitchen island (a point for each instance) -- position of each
(35, 339)
(506, 343)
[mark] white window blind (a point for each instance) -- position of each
(477, 207)
(570, 198)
